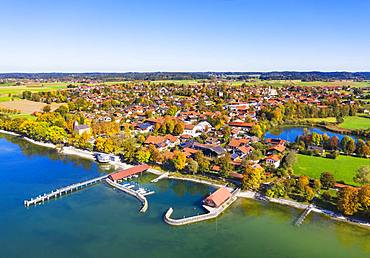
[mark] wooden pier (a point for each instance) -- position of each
(63, 191)
(301, 218)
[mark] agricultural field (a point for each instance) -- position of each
(355, 122)
(8, 93)
(27, 106)
(185, 82)
(343, 167)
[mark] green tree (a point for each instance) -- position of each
(142, 155)
(203, 162)
(193, 166)
(327, 180)
(225, 165)
(363, 175)
(290, 159)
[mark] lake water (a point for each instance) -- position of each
(103, 222)
(291, 133)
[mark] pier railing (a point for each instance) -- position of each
(301, 218)
(62, 191)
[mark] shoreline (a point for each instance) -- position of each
(70, 150)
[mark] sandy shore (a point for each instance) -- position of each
(43, 144)
(10, 133)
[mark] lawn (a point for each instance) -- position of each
(318, 120)
(27, 116)
(343, 167)
(355, 122)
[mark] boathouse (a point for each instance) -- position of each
(217, 198)
(128, 172)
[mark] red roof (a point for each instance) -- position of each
(128, 172)
(236, 175)
(218, 197)
(241, 124)
(278, 147)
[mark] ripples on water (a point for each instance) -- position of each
(103, 222)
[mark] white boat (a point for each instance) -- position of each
(102, 158)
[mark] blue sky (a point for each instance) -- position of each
(188, 35)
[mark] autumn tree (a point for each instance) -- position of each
(309, 193)
(46, 109)
(364, 197)
(253, 177)
(179, 160)
(348, 145)
(256, 130)
(348, 200)
(179, 128)
(128, 149)
(303, 182)
(155, 155)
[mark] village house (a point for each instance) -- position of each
(209, 149)
(273, 160)
(80, 129)
(162, 142)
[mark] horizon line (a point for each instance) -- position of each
(225, 71)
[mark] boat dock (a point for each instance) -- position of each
(127, 188)
(213, 213)
(63, 191)
(301, 218)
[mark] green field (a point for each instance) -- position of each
(27, 116)
(318, 120)
(185, 82)
(15, 91)
(343, 167)
(355, 122)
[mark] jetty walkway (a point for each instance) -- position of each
(301, 218)
(134, 193)
(164, 175)
(63, 191)
(213, 213)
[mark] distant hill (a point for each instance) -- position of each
(286, 75)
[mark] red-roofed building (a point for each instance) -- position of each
(273, 160)
(128, 172)
(217, 198)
